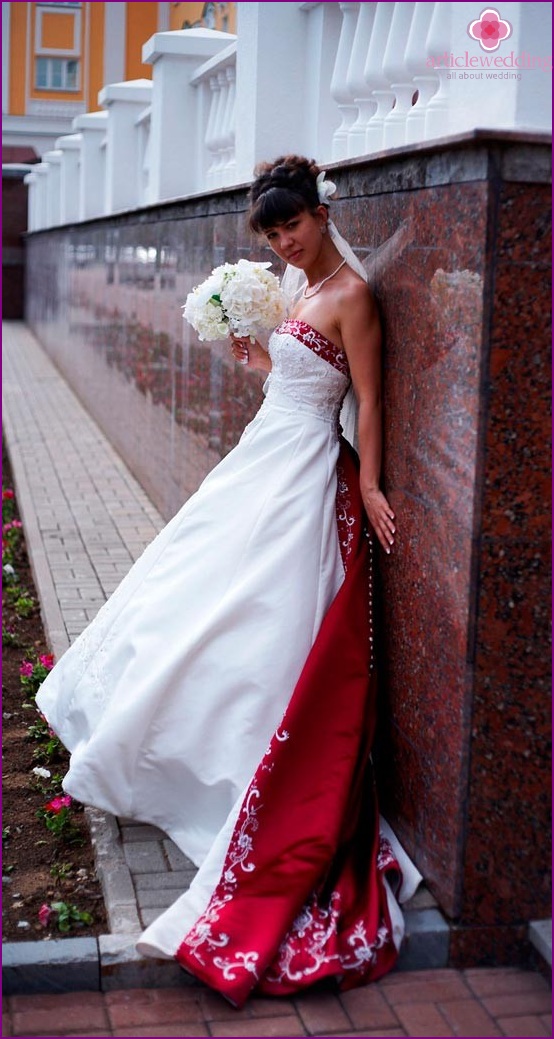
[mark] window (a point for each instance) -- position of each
(57, 74)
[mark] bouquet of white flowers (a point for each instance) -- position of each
(238, 297)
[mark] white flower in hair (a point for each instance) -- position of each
(325, 188)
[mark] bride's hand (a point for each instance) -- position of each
(380, 516)
(249, 353)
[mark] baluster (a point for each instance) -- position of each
(375, 78)
(211, 130)
(394, 67)
(355, 80)
(438, 42)
(425, 81)
(339, 86)
(220, 131)
(229, 126)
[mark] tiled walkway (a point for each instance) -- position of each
(478, 1002)
(87, 519)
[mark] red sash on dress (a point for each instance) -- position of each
(301, 895)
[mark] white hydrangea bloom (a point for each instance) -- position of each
(243, 297)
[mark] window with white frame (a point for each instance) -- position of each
(57, 74)
(58, 46)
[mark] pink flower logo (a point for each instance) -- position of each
(489, 29)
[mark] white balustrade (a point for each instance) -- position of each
(424, 79)
(215, 82)
(340, 90)
(437, 113)
(30, 180)
(356, 82)
(376, 79)
(332, 80)
(397, 72)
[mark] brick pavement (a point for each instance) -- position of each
(86, 519)
(480, 1002)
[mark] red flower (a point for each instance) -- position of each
(489, 29)
(8, 493)
(57, 804)
(44, 914)
(47, 661)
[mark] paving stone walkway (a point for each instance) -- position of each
(479, 1002)
(86, 520)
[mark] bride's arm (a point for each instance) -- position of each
(250, 354)
(361, 334)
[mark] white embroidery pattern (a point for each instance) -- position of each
(240, 847)
(309, 936)
(345, 518)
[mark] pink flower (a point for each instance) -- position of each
(47, 661)
(26, 668)
(44, 915)
(8, 493)
(489, 29)
(57, 804)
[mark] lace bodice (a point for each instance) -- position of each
(307, 369)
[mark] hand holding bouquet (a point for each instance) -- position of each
(237, 298)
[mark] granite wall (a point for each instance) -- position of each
(456, 238)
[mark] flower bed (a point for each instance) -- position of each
(48, 878)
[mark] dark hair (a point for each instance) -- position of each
(281, 190)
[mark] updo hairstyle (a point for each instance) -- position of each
(281, 190)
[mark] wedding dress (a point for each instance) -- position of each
(225, 693)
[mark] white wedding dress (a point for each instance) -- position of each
(168, 700)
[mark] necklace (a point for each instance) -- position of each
(308, 295)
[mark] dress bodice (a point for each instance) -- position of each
(308, 369)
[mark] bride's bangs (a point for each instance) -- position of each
(275, 206)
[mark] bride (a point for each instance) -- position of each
(226, 691)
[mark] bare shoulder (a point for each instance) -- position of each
(356, 302)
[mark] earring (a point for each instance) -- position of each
(323, 228)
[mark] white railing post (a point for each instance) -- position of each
(340, 90)
(93, 127)
(229, 131)
(30, 180)
(271, 82)
(425, 81)
(356, 83)
(124, 102)
(70, 147)
(396, 70)
(323, 27)
(52, 160)
(375, 77)
(41, 171)
(175, 56)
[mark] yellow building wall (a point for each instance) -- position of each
(18, 58)
(189, 15)
(142, 23)
(95, 78)
(57, 35)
